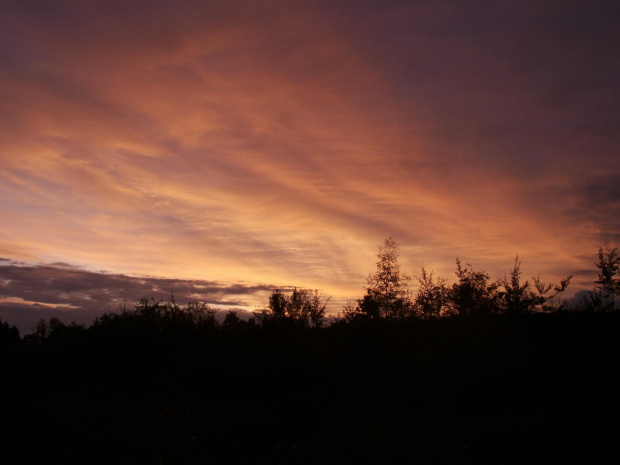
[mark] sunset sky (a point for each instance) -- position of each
(221, 149)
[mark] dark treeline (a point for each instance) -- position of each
(477, 379)
(388, 297)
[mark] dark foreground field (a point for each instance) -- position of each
(533, 389)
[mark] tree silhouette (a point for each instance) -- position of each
(231, 321)
(472, 294)
(9, 335)
(366, 308)
(608, 282)
(517, 298)
(432, 297)
(543, 292)
(151, 316)
(304, 308)
(387, 295)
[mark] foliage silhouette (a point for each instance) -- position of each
(472, 294)
(9, 335)
(432, 297)
(232, 321)
(515, 298)
(53, 330)
(602, 298)
(548, 301)
(302, 308)
(608, 282)
(159, 315)
(387, 295)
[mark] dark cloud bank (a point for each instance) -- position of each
(70, 293)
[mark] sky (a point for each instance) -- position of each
(223, 149)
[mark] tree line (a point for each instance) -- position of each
(473, 293)
(387, 297)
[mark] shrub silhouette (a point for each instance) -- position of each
(608, 282)
(9, 335)
(302, 308)
(432, 298)
(388, 298)
(472, 294)
(514, 298)
(159, 315)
